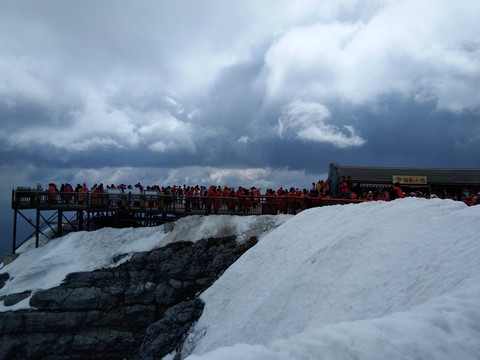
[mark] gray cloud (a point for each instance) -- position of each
(307, 121)
(283, 85)
(399, 51)
(263, 93)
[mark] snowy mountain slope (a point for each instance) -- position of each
(47, 266)
(375, 280)
(378, 280)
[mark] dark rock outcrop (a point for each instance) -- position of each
(12, 299)
(160, 337)
(3, 279)
(141, 309)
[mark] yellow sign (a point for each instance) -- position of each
(408, 179)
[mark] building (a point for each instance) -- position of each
(427, 180)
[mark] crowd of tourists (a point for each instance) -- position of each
(243, 198)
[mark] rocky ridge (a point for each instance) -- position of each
(141, 309)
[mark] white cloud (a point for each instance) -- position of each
(357, 50)
(243, 139)
(147, 82)
(99, 125)
(307, 121)
(408, 48)
(163, 132)
(307, 61)
(263, 178)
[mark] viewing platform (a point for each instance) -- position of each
(136, 208)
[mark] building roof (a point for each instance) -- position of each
(434, 176)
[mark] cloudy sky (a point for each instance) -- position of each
(250, 92)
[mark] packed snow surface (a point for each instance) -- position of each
(46, 266)
(377, 280)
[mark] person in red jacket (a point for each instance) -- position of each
(211, 193)
(385, 196)
(398, 190)
(188, 198)
(343, 187)
(68, 190)
(282, 202)
(325, 188)
(315, 198)
(84, 192)
(52, 189)
(349, 183)
(230, 194)
(196, 192)
(217, 202)
(476, 199)
(256, 195)
(247, 200)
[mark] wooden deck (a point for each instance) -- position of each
(137, 208)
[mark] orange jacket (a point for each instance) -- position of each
(399, 191)
(51, 190)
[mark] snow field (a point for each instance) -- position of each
(377, 280)
(374, 280)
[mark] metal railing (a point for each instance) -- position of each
(145, 208)
(156, 201)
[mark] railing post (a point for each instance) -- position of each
(37, 229)
(80, 220)
(14, 230)
(59, 223)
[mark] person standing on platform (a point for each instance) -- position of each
(397, 192)
(52, 193)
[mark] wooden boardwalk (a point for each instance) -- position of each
(135, 208)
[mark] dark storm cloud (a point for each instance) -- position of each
(404, 132)
(235, 99)
(282, 85)
(263, 93)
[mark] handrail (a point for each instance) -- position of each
(156, 201)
